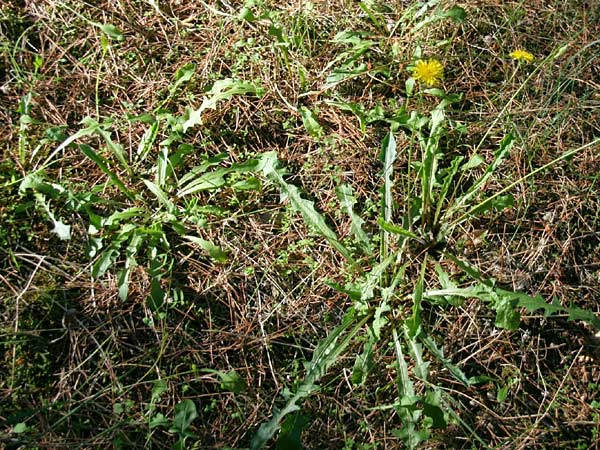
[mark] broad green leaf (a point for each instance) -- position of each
(502, 394)
(183, 75)
(147, 141)
(310, 122)
(112, 32)
(250, 184)
(498, 203)
(185, 414)
(456, 13)
(20, 428)
(159, 420)
(290, 436)
(409, 86)
(413, 323)
(432, 409)
(507, 316)
(363, 363)
(159, 387)
(473, 162)
(246, 14)
(123, 283)
(373, 280)
(206, 164)
(162, 167)
(395, 229)
(213, 250)
(207, 182)
(124, 215)
(232, 382)
(405, 384)
(105, 261)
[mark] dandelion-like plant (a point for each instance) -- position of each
(521, 55)
(429, 71)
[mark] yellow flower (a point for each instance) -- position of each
(521, 55)
(429, 72)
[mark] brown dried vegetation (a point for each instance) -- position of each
(72, 350)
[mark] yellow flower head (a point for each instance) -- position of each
(429, 72)
(521, 55)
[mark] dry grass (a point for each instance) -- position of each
(72, 350)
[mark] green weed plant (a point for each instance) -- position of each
(415, 224)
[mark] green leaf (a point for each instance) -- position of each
(210, 181)
(159, 420)
(409, 85)
(507, 316)
(395, 229)
(112, 32)
(246, 14)
(213, 250)
(347, 202)
(185, 414)
(388, 157)
(413, 324)
(290, 436)
(159, 387)
(221, 90)
(325, 355)
(161, 196)
(502, 394)
(363, 363)
(250, 184)
(147, 141)
(183, 75)
(498, 203)
(310, 122)
(456, 13)
(306, 208)
(20, 427)
(232, 382)
(123, 283)
(105, 261)
(432, 409)
(103, 165)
